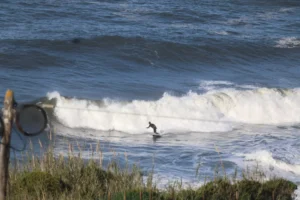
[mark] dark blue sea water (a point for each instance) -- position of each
(219, 78)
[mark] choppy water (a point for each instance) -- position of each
(220, 79)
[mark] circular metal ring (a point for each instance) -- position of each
(44, 125)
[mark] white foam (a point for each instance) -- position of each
(286, 10)
(243, 20)
(53, 95)
(212, 85)
(288, 42)
(218, 86)
(219, 111)
(297, 193)
(132, 117)
(266, 160)
(220, 32)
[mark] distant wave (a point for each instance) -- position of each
(219, 111)
(29, 59)
(146, 51)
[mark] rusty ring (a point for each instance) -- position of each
(20, 127)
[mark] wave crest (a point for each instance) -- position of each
(222, 110)
(288, 42)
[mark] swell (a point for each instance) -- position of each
(31, 59)
(292, 3)
(211, 51)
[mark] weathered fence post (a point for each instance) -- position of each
(8, 115)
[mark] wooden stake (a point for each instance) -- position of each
(5, 142)
(141, 195)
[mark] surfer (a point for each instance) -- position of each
(153, 127)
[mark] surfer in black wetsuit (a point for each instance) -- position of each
(152, 126)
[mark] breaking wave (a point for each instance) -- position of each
(221, 110)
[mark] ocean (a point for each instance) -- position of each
(219, 79)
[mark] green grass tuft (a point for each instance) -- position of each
(70, 178)
(38, 183)
(276, 189)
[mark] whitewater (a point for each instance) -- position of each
(244, 126)
(219, 110)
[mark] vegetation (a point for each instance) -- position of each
(58, 177)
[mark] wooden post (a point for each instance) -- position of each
(141, 195)
(5, 142)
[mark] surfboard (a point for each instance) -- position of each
(156, 136)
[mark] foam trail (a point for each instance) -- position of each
(288, 42)
(216, 86)
(221, 110)
(266, 159)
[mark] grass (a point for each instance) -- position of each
(58, 177)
